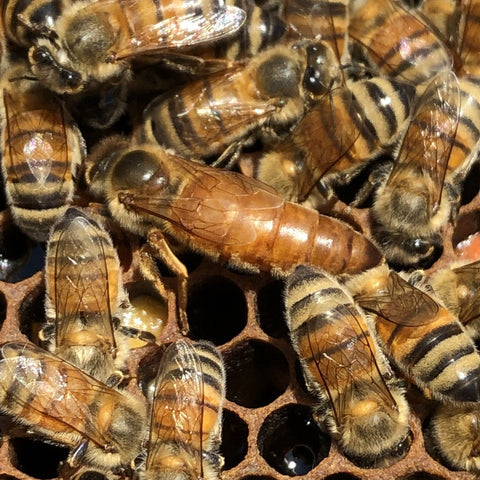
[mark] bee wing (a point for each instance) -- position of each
(178, 403)
(210, 110)
(49, 388)
(430, 136)
(336, 119)
(404, 25)
(324, 20)
(215, 206)
(466, 39)
(344, 357)
(182, 30)
(82, 288)
(34, 138)
(400, 303)
(468, 276)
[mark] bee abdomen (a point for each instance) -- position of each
(448, 363)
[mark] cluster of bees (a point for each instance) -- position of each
(313, 94)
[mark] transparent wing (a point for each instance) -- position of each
(430, 136)
(178, 403)
(82, 287)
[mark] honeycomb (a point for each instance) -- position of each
(268, 429)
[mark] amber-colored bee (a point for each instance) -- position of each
(42, 148)
(218, 113)
(186, 414)
(103, 427)
(94, 41)
(421, 193)
(84, 289)
(336, 138)
(423, 338)
(360, 401)
(224, 215)
(399, 43)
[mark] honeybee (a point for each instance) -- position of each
(421, 193)
(325, 20)
(42, 149)
(457, 287)
(422, 337)
(261, 29)
(453, 436)
(458, 22)
(94, 41)
(103, 427)
(84, 290)
(360, 401)
(186, 414)
(219, 112)
(398, 42)
(353, 124)
(224, 215)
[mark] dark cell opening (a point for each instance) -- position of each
(291, 441)
(38, 459)
(32, 314)
(19, 257)
(234, 439)
(421, 476)
(271, 312)
(216, 310)
(257, 373)
(3, 308)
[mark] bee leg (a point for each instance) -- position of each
(160, 249)
(47, 332)
(229, 157)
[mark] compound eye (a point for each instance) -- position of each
(421, 247)
(41, 55)
(71, 79)
(313, 81)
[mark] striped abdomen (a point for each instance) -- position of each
(424, 339)
(399, 43)
(187, 410)
(333, 342)
(468, 130)
(42, 149)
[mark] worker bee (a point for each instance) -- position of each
(459, 24)
(360, 401)
(261, 29)
(93, 41)
(222, 214)
(457, 287)
(421, 193)
(453, 436)
(103, 427)
(219, 112)
(398, 42)
(42, 148)
(84, 290)
(186, 414)
(325, 20)
(352, 124)
(423, 338)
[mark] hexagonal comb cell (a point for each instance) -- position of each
(257, 373)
